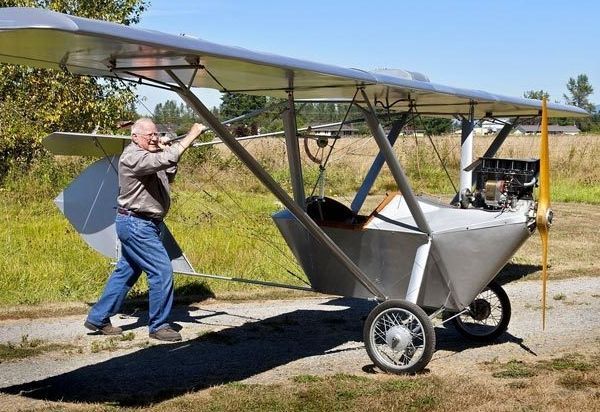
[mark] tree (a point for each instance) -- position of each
(182, 116)
(167, 112)
(595, 123)
(580, 90)
(435, 126)
(237, 104)
(536, 94)
(49, 100)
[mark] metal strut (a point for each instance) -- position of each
(376, 166)
(298, 212)
(466, 152)
(422, 253)
(390, 158)
(293, 150)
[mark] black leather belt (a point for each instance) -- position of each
(128, 212)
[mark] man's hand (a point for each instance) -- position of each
(197, 129)
(164, 142)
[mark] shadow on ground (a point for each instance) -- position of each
(448, 339)
(184, 294)
(162, 372)
(515, 271)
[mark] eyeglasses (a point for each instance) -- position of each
(153, 134)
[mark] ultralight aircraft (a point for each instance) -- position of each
(419, 258)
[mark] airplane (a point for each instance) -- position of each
(416, 257)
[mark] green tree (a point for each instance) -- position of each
(181, 117)
(435, 126)
(536, 94)
(595, 123)
(580, 90)
(167, 112)
(37, 101)
(237, 104)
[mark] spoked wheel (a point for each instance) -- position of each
(488, 316)
(399, 337)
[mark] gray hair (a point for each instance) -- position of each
(141, 124)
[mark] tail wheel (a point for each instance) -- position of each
(399, 337)
(488, 315)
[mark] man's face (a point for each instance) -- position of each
(147, 137)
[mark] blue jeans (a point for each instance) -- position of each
(141, 250)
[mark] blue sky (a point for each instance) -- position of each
(505, 47)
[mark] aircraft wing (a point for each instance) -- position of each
(42, 38)
(84, 144)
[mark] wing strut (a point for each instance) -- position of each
(293, 150)
(466, 152)
(390, 158)
(273, 186)
(377, 164)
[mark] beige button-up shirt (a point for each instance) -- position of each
(144, 179)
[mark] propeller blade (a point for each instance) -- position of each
(544, 213)
(544, 236)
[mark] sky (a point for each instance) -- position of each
(505, 47)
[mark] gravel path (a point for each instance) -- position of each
(270, 341)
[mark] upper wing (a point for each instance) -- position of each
(43, 38)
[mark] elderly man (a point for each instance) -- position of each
(146, 168)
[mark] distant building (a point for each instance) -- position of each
(483, 128)
(347, 130)
(167, 129)
(410, 131)
(487, 127)
(552, 129)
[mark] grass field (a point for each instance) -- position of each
(567, 383)
(562, 383)
(221, 216)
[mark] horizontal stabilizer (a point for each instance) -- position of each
(85, 144)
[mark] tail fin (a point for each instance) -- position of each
(90, 202)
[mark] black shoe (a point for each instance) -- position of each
(167, 334)
(107, 329)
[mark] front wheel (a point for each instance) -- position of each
(399, 337)
(488, 316)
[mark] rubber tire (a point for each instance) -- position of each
(497, 289)
(428, 332)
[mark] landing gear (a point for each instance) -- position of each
(399, 337)
(488, 316)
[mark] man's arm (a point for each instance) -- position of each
(196, 130)
(185, 143)
(145, 162)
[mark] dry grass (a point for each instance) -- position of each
(573, 248)
(575, 164)
(564, 383)
(27, 348)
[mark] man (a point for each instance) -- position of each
(146, 168)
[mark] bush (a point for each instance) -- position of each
(20, 141)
